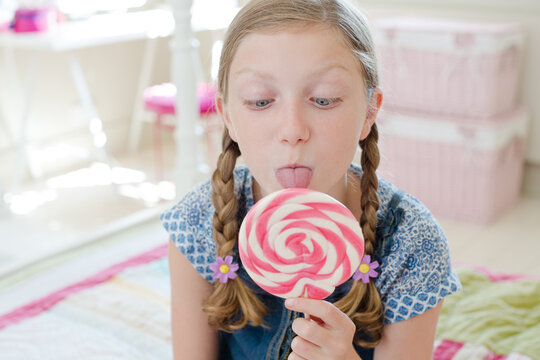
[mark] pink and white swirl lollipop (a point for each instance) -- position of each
(300, 242)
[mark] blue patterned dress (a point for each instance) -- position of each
(415, 271)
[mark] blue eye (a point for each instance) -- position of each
(261, 103)
(258, 104)
(325, 102)
(322, 102)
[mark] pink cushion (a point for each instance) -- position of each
(33, 20)
(206, 94)
(161, 98)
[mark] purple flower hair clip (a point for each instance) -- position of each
(366, 270)
(224, 269)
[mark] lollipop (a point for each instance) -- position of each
(300, 242)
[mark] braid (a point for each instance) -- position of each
(232, 304)
(225, 203)
(363, 303)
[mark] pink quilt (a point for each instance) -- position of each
(122, 311)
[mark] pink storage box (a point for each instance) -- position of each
(469, 172)
(449, 67)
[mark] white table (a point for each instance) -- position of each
(70, 37)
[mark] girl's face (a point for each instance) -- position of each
(297, 109)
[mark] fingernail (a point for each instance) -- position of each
(290, 303)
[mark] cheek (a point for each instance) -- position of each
(342, 140)
(250, 137)
(344, 131)
(252, 127)
(235, 124)
(346, 148)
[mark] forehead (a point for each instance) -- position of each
(311, 43)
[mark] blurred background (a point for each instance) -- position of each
(89, 147)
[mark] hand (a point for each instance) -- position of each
(328, 335)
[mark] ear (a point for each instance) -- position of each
(221, 108)
(374, 104)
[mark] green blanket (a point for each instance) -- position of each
(502, 315)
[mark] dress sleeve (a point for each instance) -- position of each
(189, 225)
(417, 273)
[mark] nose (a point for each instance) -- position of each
(294, 127)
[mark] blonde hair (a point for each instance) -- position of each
(232, 305)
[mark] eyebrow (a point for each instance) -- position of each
(257, 73)
(265, 75)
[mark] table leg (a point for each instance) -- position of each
(138, 106)
(22, 155)
(12, 87)
(95, 124)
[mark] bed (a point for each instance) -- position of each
(92, 304)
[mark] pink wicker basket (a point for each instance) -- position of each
(469, 172)
(453, 68)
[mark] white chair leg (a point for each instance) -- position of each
(158, 150)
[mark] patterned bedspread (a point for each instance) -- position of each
(122, 312)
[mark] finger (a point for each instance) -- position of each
(305, 349)
(310, 331)
(293, 356)
(324, 310)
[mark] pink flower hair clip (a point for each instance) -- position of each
(366, 270)
(224, 269)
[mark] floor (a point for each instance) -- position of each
(511, 244)
(94, 202)
(98, 202)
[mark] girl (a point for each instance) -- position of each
(298, 92)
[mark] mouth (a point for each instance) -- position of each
(294, 176)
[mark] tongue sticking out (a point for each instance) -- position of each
(294, 178)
